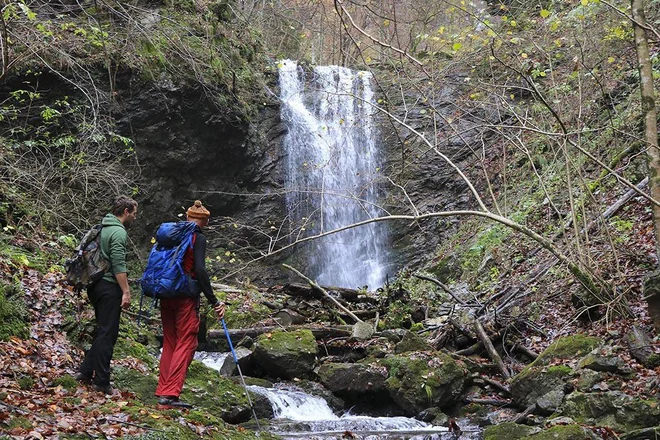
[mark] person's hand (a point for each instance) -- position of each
(219, 309)
(126, 300)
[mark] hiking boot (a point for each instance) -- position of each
(105, 389)
(173, 402)
(83, 379)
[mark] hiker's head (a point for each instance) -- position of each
(198, 214)
(125, 209)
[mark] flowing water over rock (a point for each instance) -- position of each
(299, 415)
(333, 167)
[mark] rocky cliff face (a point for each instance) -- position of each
(189, 148)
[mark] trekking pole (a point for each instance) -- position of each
(240, 373)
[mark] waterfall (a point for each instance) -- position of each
(333, 167)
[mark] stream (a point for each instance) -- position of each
(299, 415)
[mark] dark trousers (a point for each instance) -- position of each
(106, 299)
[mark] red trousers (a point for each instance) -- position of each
(180, 327)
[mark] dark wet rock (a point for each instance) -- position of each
(245, 361)
(534, 383)
(353, 379)
(642, 434)
(286, 354)
(641, 347)
(263, 408)
(433, 416)
(612, 409)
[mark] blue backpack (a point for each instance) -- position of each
(164, 276)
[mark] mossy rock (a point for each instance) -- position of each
(420, 380)
(568, 347)
(642, 434)
(345, 379)
(508, 431)
(612, 409)
(286, 354)
(535, 382)
(561, 432)
(411, 342)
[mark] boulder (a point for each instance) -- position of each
(641, 347)
(563, 432)
(362, 330)
(642, 434)
(420, 380)
(411, 342)
(286, 354)
(534, 383)
(609, 364)
(612, 409)
(567, 347)
(353, 379)
(244, 357)
(508, 431)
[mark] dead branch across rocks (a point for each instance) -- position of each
(322, 290)
(318, 332)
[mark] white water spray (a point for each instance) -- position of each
(333, 166)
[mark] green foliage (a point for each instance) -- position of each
(397, 316)
(486, 241)
(623, 228)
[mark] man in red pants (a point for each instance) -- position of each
(180, 317)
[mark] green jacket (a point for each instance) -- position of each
(113, 246)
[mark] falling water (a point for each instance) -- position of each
(333, 166)
(298, 415)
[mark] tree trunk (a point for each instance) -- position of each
(651, 130)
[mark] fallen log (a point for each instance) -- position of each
(442, 286)
(524, 350)
(318, 332)
(478, 346)
(495, 357)
(306, 291)
(493, 402)
(479, 379)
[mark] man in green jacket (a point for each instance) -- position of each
(109, 295)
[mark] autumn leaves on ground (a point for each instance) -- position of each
(39, 398)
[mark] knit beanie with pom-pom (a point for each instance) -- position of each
(198, 211)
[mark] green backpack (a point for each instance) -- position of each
(88, 265)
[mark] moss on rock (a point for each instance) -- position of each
(286, 354)
(508, 430)
(560, 432)
(568, 347)
(417, 381)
